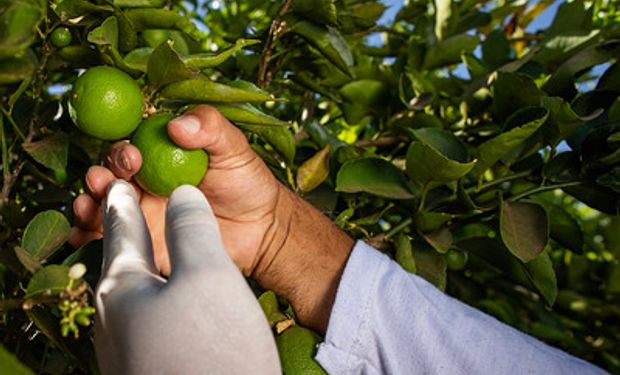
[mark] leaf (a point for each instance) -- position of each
(321, 135)
(248, 114)
(128, 36)
(210, 60)
(610, 80)
(27, 260)
(496, 49)
(326, 40)
(203, 90)
(430, 265)
(524, 229)
(404, 253)
(90, 255)
(449, 51)
(51, 152)
(361, 98)
(610, 179)
(144, 19)
(563, 228)
(9, 364)
(426, 221)
(596, 196)
(14, 70)
(314, 170)
(443, 18)
(280, 138)
(138, 59)
(441, 240)
(321, 11)
(540, 272)
(562, 120)
(45, 233)
(165, 67)
(139, 3)
(69, 9)
(513, 91)
(570, 16)
(437, 156)
(51, 279)
(375, 176)
(523, 124)
(106, 34)
(18, 21)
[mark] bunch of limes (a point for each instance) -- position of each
(108, 104)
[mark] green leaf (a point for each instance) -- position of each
(441, 240)
(597, 197)
(570, 16)
(513, 91)
(314, 171)
(326, 40)
(610, 179)
(9, 364)
(51, 152)
(144, 19)
(165, 67)
(106, 34)
(69, 9)
(139, 3)
(17, 27)
(610, 80)
(437, 156)
(540, 272)
(375, 176)
(45, 233)
(430, 265)
(496, 49)
(446, 17)
(404, 253)
(248, 114)
(321, 11)
(523, 124)
(426, 221)
(90, 255)
(138, 59)
(51, 279)
(128, 36)
(473, 19)
(362, 98)
(280, 138)
(210, 60)
(562, 119)
(27, 260)
(449, 51)
(524, 229)
(563, 228)
(475, 66)
(204, 90)
(14, 70)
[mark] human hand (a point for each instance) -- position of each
(203, 319)
(242, 191)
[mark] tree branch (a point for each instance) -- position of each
(276, 29)
(382, 141)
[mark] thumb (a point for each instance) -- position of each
(127, 248)
(205, 127)
(193, 235)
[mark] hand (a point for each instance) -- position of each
(271, 234)
(239, 186)
(203, 320)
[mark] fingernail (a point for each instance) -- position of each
(189, 123)
(123, 162)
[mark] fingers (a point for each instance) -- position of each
(87, 213)
(204, 127)
(126, 243)
(193, 235)
(79, 237)
(98, 179)
(124, 160)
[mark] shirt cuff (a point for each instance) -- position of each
(349, 331)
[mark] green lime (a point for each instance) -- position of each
(61, 37)
(165, 166)
(106, 103)
(297, 346)
(155, 37)
(456, 259)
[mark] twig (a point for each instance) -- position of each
(275, 31)
(542, 189)
(382, 141)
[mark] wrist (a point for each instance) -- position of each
(302, 258)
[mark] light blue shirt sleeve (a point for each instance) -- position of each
(388, 321)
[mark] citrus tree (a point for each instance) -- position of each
(479, 153)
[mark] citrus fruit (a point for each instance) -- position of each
(155, 37)
(106, 103)
(456, 260)
(61, 37)
(165, 166)
(296, 347)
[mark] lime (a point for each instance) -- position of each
(61, 37)
(297, 346)
(155, 37)
(165, 166)
(106, 103)
(456, 259)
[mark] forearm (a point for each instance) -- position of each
(303, 257)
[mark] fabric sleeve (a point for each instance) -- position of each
(388, 321)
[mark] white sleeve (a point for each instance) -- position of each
(388, 321)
